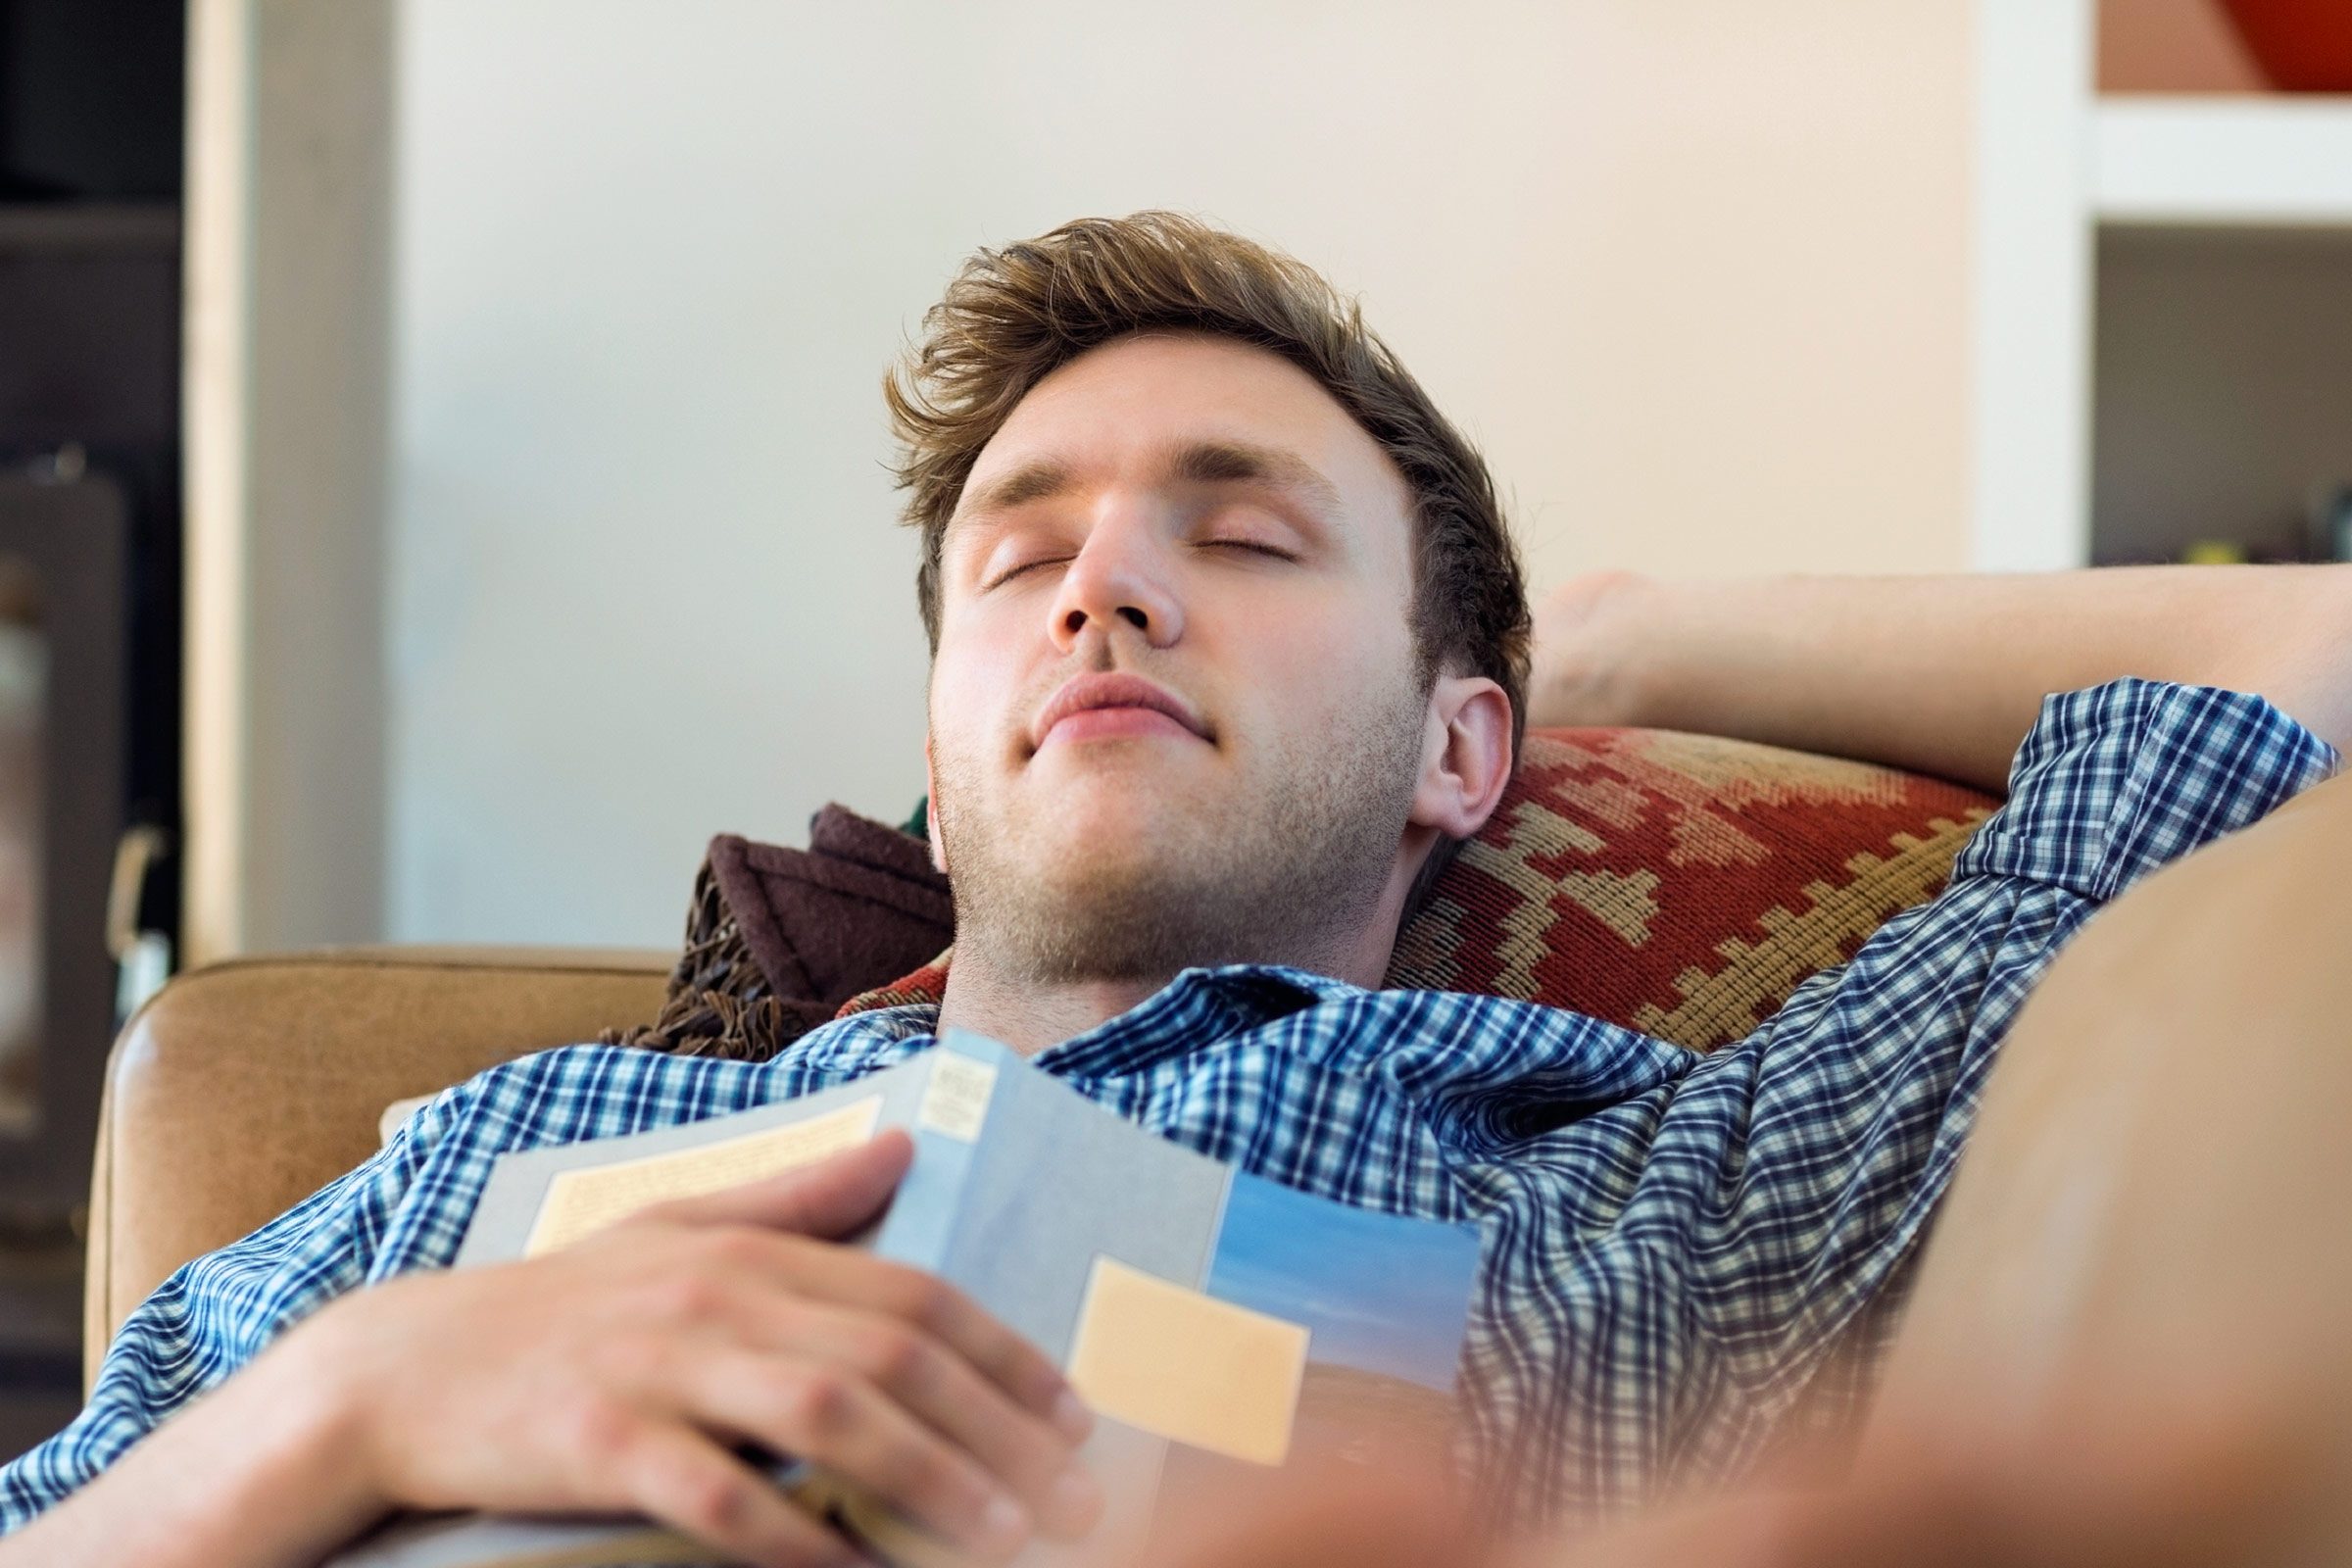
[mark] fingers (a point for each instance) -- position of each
(1021, 1449)
(683, 1479)
(831, 1198)
(836, 1419)
(879, 1373)
(837, 1195)
(924, 1302)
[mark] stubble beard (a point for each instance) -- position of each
(1290, 876)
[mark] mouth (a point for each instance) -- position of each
(1112, 707)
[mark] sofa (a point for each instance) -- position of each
(246, 1085)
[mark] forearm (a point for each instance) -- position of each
(259, 1473)
(1939, 674)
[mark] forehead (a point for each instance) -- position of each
(1110, 413)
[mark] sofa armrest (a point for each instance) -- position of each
(243, 1086)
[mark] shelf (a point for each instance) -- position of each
(2257, 161)
(100, 227)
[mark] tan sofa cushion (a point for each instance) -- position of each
(243, 1086)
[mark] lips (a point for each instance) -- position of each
(1089, 693)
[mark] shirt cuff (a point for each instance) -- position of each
(2117, 780)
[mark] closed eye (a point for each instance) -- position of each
(1246, 546)
(1004, 578)
(1251, 546)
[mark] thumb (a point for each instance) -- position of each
(829, 1199)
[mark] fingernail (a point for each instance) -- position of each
(1073, 1501)
(1072, 1416)
(1003, 1524)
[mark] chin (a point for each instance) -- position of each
(1114, 839)
(1119, 845)
(1117, 803)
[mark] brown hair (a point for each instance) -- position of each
(1015, 316)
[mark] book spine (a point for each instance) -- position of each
(924, 1216)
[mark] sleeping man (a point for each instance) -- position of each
(1230, 649)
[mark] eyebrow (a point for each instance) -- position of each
(1038, 480)
(1243, 463)
(1192, 462)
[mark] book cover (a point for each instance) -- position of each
(1210, 1318)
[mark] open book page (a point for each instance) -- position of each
(539, 1199)
(580, 1202)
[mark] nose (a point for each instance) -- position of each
(1120, 576)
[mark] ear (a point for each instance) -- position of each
(1465, 755)
(939, 840)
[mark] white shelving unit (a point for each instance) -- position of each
(2222, 162)
(2163, 294)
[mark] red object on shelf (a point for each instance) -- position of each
(2302, 45)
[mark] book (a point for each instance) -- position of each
(1218, 1323)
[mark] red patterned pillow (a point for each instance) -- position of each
(1681, 884)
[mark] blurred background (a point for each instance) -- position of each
(442, 471)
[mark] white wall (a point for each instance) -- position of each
(1693, 273)
(286, 390)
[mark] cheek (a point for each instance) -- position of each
(1331, 663)
(1308, 695)
(972, 685)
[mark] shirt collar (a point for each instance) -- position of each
(1197, 1007)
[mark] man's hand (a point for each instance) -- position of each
(618, 1375)
(1585, 661)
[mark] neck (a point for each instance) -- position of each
(1028, 1014)
(1029, 1017)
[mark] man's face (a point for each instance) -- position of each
(1189, 525)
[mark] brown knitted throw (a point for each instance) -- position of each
(778, 938)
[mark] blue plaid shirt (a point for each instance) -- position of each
(1684, 1254)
